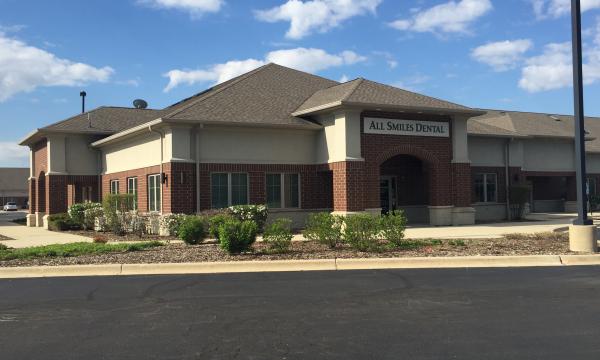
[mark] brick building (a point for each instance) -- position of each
(301, 143)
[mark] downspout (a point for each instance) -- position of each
(198, 168)
(507, 177)
(161, 165)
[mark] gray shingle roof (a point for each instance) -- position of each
(529, 124)
(362, 91)
(105, 120)
(267, 95)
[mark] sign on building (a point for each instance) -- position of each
(406, 127)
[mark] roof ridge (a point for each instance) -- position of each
(534, 112)
(74, 116)
(420, 95)
(359, 81)
(210, 93)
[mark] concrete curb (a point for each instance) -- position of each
(299, 265)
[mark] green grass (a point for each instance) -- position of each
(74, 249)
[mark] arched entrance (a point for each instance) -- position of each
(404, 182)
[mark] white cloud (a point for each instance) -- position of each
(304, 59)
(556, 8)
(12, 154)
(305, 17)
(553, 68)
(502, 55)
(194, 7)
(450, 17)
(344, 78)
(24, 68)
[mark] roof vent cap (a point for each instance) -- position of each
(554, 117)
(140, 104)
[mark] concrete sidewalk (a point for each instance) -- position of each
(33, 236)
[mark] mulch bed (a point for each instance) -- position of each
(116, 238)
(177, 253)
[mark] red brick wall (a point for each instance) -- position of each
(461, 184)
(516, 176)
(142, 184)
(315, 182)
(37, 187)
(40, 157)
(435, 152)
(61, 191)
(348, 185)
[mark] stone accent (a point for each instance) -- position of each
(440, 215)
(463, 216)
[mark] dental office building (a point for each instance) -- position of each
(302, 143)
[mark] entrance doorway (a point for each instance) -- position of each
(388, 193)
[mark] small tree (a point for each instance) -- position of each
(117, 208)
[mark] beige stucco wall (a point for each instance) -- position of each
(340, 138)
(484, 151)
(256, 145)
(141, 151)
(81, 158)
(548, 155)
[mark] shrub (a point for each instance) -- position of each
(215, 222)
(278, 235)
(325, 228)
(519, 196)
(256, 213)
(61, 222)
(116, 207)
(76, 212)
(172, 222)
(393, 226)
(99, 239)
(361, 231)
(236, 236)
(91, 212)
(191, 230)
(3, 247)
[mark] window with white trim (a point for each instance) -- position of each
(114, 186)
(228, 189)
(132, 189)
(154, 193)
(486, 187)
(283, 190)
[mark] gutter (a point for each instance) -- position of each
(160, 133)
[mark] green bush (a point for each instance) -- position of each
(172, 222)
(3, 247)
(75, 249)
(256, 213)
(278, 235)
(191, 230)
(325, 228)
(61, 222)
(115, 207)
(393, 226)
(215, 222)
(361, 231)
(236, 236)
(77, 213)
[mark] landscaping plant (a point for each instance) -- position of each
(237, 236)
(393, 226)
(215, 222)
(77, 213)
(278, 235)
(117, 208)
(61, 222)
(256, 213)
(324, 228)
(74, 249)
(191, 230)
(92, 212)
(361, 231)
(172, 222)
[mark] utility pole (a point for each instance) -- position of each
(582, 234)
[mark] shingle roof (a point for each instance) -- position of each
(267, 95)
(105, 120)
(529, 124)
(362, 91)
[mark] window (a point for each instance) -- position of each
(283, 190)
(114, 186)
(86, 194)
(154, 193)
(132, 189)
(486, 186)
(229, 189)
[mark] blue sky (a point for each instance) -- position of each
(509, 54)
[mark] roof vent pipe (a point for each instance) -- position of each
(82, 94)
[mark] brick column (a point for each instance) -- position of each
(348, 186)
(32, 196)
(56, 194)
(461, 184)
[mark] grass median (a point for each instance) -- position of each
(73, 250)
